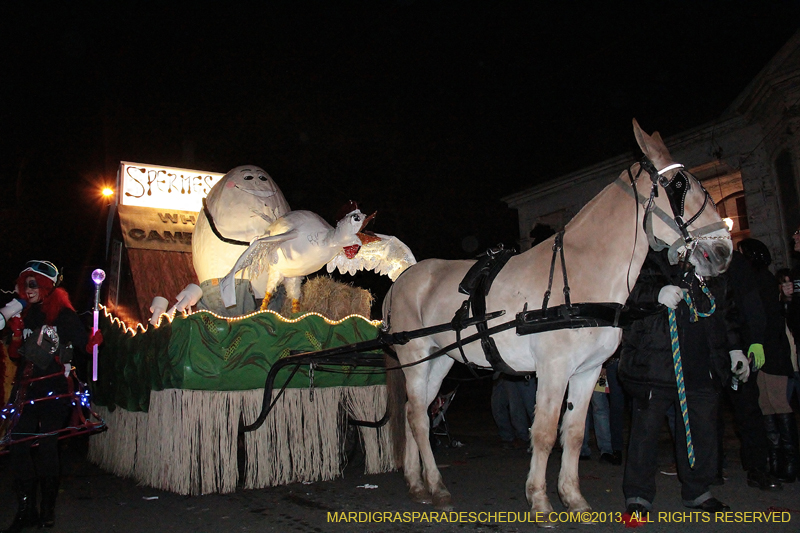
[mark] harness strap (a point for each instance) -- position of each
(476, 285)
(558, 247)
(580, 315)
(656, 243)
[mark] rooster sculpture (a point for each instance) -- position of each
(301, 242)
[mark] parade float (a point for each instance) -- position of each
(176, 384)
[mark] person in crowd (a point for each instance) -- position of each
(792, 307)
(787, 285)
(48, 319)
(598, 416)
(513, 404)
(757, 293)
(763, 329)
(709, 349)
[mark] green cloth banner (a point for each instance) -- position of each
(203, 352)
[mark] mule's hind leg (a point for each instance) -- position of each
(552, 385)
(412, 469)
(573, 424)
(422, 384)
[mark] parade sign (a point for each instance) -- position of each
(158, 206)
(169, 188)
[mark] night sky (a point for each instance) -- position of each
(428, 112)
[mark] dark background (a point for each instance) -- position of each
(428, 112)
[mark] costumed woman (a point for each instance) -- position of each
(48, 319)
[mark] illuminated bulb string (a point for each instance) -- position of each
(140, 327)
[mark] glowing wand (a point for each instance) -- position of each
(97, 276)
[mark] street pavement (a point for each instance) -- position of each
(487, 483)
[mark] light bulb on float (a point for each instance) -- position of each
(98, 276)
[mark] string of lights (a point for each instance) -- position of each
(139, 327)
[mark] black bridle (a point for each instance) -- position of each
(676, 188)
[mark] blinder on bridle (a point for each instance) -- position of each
(676, 188)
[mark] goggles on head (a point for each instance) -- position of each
(45, 268)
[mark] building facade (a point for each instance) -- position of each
(748, 160)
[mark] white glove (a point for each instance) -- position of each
(740, 366)
(671, 295)
(158, 308)
(187, 298)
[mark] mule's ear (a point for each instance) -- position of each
(653, 147)
(641, 137)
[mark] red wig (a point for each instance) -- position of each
(53, 299)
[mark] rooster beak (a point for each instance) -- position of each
(367, 221)
(367, 238)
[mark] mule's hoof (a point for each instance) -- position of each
(546, 524)
(420, 496)
(443, 502)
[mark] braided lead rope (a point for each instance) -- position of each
(696, 315)
(678, 365)
(676, 361)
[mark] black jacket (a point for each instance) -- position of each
(646, 359)
(792, 309)
(757, 296)
(70, 329)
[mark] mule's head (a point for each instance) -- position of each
(692, 227)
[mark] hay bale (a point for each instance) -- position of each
(331, 298)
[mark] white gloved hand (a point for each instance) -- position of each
(671, 296)
(187, 298)
(740, 366)
(158, 308)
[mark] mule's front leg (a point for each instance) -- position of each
(417, 416)
(543, 436)
(581, 387)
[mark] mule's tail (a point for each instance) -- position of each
(396, 405)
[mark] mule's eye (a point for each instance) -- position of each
(262, 178)
(248, 178)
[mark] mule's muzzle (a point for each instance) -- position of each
(712, 257)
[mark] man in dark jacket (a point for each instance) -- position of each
(709, 349)
(757, 294)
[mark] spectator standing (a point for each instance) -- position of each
(762, 329)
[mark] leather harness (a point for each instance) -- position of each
(478, 281)
(479, 278)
